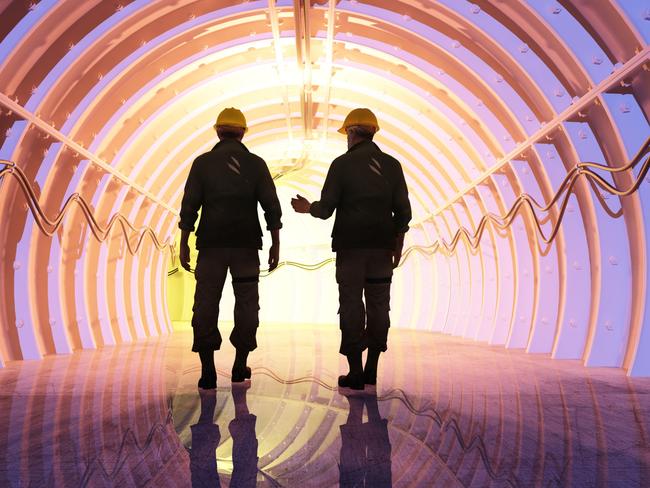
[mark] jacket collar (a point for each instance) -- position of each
(230, 143)
(364, 145)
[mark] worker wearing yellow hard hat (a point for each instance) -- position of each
(362, 117)
(367, 189)
(231, 117)
(226, 184)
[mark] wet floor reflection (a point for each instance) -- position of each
(457, 415)
(205, 439)
(365, 446)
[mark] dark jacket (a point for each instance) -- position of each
(367, 189)
(226, 183)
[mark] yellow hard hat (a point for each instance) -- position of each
(359, 116)
(231, 117)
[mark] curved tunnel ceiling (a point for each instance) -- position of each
(484, 103)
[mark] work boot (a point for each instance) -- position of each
(354, 379)
(351, 381)
(240, 372)
(240, 375)
(370, 369)
(208, 380)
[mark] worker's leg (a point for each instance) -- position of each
(350, 278)
(377, 292)
(210, 276)
(245, 271)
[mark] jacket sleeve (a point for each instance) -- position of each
(401, 204)
(330, 195)
(268, 198)
(192, 198)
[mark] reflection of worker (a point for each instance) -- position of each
(205, 439)
(227, 183)
(367, 189)
(244, 442)
(365, 448)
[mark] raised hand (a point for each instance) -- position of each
(300, 204)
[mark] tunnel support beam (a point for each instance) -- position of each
(607, 84)
(55, 133)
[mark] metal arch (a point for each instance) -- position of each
(25, 114)
(633, 64)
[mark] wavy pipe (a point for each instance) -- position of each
(473, 239)
(524, 201)
(49, 226)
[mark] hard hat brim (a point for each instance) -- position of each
(230, 126)
(344, 130)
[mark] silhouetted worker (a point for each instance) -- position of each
(226, 184)
(365, 448)
(367, 189)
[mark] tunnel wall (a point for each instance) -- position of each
(492, 107)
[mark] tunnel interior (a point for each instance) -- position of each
(522, 128)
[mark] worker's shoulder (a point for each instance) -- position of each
(254, 158)
(386, 158)
(202, 159)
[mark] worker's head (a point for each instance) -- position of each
(231, 124)
(360, 124)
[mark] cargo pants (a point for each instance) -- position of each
(210, 273)
(362, 272)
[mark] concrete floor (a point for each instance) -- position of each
(448, 412)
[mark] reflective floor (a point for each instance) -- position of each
(447, 412)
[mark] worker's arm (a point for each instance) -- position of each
(401, 214)
(274, 251)
(268, 198)
(192, 198)
(184, 251)
(329, 199)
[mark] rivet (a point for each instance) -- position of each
(50, 268)
(20, 323)
(609, 325)
(16, 265)
(597, 60)
(577, 265)
(613, 261)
